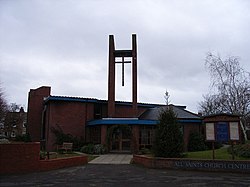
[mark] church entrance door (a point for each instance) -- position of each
(121, 138)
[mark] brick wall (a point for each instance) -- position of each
(46, 165)
(71, 117)
(19, 157)
(25, 157)
(126, 111)
(242, 166)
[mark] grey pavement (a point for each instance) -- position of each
(115, 170)
(123, 175)
(112, 159)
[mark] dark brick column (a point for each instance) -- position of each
(111, 78)
(135, 138)
(35, 108)
(134, 75)
(103, 134)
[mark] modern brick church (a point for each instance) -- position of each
(121, 126)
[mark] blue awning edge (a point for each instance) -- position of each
(120, 122)
(132, 122)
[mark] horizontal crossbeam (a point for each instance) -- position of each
(121, 62)
(123, 53)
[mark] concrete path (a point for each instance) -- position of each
(112, 159)
(124, 175)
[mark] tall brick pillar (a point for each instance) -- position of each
(35, 110)
(134, 75)
(111, 78)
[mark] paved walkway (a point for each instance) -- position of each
(124, 175)
(112, 159)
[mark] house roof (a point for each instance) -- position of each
(180, 111)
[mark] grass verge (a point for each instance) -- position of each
(221, 154)
(92, 157)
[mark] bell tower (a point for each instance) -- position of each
(121, 56)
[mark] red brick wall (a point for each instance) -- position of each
(25, 157)
(125, 111)
(242, 166)
(19, 157)
(35, 108)
(46, 165)
(71, 117)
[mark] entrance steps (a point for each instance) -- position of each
(112, 159)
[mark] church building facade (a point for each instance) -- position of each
(121, 126)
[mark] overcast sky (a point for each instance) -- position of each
(64, 44)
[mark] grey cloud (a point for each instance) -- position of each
(65, 44)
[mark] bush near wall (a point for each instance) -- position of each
(94, 149)
(61, 137)
(242, 150)
(196, 142)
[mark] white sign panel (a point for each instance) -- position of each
(210, 136)
(234, 131)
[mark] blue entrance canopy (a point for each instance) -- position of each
(132, 121)
(121, 121)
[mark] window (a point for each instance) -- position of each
(13, 134)
(95, 134)
(98, 111)
(146, 136)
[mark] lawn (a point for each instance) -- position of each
(219, 154)
(55, 155)
(91, 157)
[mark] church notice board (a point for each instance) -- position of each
(222, 131)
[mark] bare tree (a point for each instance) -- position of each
(231, 88)
(3, 105)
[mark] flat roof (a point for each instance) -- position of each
(93, 100)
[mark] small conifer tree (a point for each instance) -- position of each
(196, 142)
(168, 136)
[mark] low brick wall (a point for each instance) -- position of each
(192, 164)
(25, 157)
(46, 165)
(19, 157)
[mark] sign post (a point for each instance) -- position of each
(223, 132)
(210, 135)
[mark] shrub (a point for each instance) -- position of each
(42, 155)
(23, 138)
(217, 145)
(4, 141)
(196, 142)
(242, 150)
(94, 149)
(145, 151)
(168, 136)
(100, 149)
(89, 149)
(62, 137)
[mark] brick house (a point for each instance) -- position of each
(15, 124)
